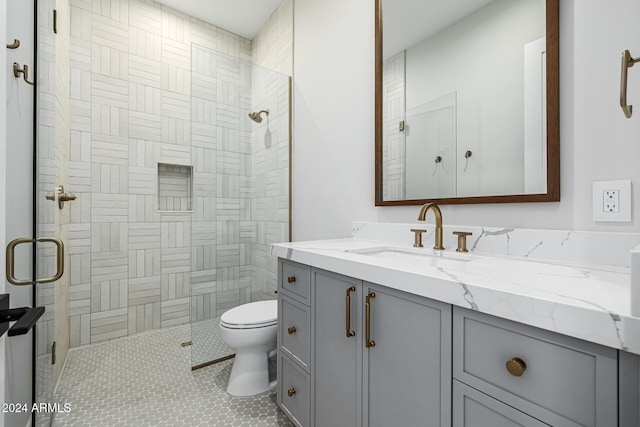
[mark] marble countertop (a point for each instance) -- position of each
(589, 302)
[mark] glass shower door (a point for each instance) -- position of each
(241, 190)
(53, 203)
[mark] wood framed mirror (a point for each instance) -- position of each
(466, 102)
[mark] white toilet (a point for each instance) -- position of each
(250, 330)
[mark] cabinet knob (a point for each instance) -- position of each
(516, 366)
(291, 330)
(291, 392)
(291, 279)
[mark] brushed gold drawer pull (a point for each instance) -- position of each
(350, 333)
(367, 306)
(291, 392)
(516, 366)
(291, 330)
(291, 279)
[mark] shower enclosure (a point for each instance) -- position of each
(243, 189)
(143, 115)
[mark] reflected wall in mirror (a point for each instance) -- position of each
(467, 101)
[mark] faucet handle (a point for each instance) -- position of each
(462, 240)
(417, 243)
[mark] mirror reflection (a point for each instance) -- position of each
(464, 99)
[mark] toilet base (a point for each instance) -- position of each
(250, 374)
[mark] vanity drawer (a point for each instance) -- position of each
(295, 280)
(472, 408)
(293, 391)
(295, 337)
(564, 381)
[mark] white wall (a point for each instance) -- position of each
(333, 117)
(333, 121)
(476, 59)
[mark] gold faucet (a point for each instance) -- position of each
(436, 210)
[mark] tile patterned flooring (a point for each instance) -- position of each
(207, 343)
(146, 380)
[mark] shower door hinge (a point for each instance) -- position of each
(55, 21)
(53, 353)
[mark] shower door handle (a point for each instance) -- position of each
(10, 258)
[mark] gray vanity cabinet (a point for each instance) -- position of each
(407, 374)
(472, 408)
(294, 341)
(556, 379)
(356, 354)
(402, 379)
(337, 359)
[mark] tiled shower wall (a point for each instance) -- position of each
(272, 50)
(222, 276)
(133, 267)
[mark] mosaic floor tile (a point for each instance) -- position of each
(146, 380)
(207, 342)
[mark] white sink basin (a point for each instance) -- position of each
(413, 255)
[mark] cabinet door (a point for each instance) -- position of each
(336, 359)
(408, 372)
(472, 408)
(564, 382)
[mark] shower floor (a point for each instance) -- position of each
(146, 380)
(207, 342)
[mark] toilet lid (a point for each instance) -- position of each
(254, 314)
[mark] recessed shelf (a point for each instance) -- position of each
(175, 187)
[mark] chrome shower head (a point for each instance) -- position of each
(257, 117)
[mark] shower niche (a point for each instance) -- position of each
(175, 188)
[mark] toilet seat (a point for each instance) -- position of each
(253, 315)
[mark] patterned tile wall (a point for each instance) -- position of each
(241, 269)
(222, 181)
(131, 110)
(149, 86)
(272, 51)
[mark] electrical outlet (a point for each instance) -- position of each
(612, 201)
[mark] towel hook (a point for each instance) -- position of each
(627, 62)
(14, 45)
(24, 71)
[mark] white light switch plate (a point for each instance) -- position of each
(612, 201)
